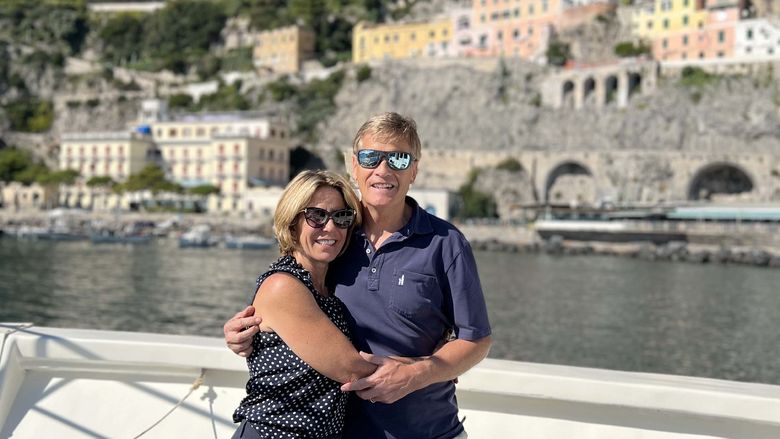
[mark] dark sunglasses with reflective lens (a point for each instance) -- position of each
(397, 160)
(317, 218)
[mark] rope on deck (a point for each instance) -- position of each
(195, 384)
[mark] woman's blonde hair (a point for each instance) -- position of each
(297, 195)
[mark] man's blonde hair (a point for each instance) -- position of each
(298, 194)
(390, 127)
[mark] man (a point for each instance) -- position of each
(408, 279)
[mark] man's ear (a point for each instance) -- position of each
(414, 170)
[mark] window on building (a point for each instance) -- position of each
(721, 54)
(432, 34)
(221, 149)
(516, 34)
(685, 20)
(701, 55)
(172, 132)
(499, 35)
(666, 23)
(650, 24)
(108, 150)
(685, 40)
(507, 14)
(482, 18)
(664, 43)
(121, 150)
(686, 3)
(395, 38)
(200, 132)
(186, 132)
(530, 9)
(721, 36)
(413, 36)
(517, 12)
(684, 55)
(749, 34)
(544, 6)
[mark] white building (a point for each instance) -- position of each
(757, 39)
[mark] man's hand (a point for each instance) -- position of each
(240, 329)
(392, 380)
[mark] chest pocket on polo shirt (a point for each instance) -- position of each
(412, 293)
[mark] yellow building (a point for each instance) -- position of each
(244, 162)
(373, 42)
(17, 196)
(111, 154)
(283, 50)
(688, 29)
(232, 151)
(663, 17)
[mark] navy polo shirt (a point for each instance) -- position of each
(402, 300)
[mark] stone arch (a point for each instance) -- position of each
(569, 168)
(567, 93)
(610, 89)
(588, 88)
(719, 178)
(634, 83)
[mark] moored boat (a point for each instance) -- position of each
(70, 383)
(249, 242)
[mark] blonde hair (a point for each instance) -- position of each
(390, 127)
(297, 195)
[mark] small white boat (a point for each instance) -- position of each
(68, 383)
(198, 236)
(249, 242)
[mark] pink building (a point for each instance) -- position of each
(518, 28)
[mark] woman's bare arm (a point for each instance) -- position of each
(288, 308)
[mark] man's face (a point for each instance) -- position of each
(383, 186)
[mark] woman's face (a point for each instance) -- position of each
(319, 246)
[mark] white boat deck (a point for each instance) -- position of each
(68, 383)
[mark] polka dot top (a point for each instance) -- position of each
(286, 398)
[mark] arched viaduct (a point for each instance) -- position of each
(595, 178)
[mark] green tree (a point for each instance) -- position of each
(363, 73)
(151, 178)
(476, 204)
(182, 32)
(627, 49)
(30, 115)
(122, 38)
(180, 100)
(205, 189)
(226, 98)
(281, 89)
(66, 176)
(12, 162)
(510, 164)
(32, 173)
(101, 181)
(558, 53)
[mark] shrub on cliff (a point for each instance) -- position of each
(30, 115)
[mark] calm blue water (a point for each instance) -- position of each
(617, 313)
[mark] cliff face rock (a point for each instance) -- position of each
(461, 106)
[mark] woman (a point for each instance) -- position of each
(303, 350)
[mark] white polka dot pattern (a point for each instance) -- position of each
(286, 398)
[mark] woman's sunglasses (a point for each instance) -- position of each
(397, 160)
(317, 218)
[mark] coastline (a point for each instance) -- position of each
(743, 244)
(744, 247)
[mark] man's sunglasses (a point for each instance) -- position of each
(397, 160)
(317, 218)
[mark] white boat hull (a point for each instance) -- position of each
(68, 383)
